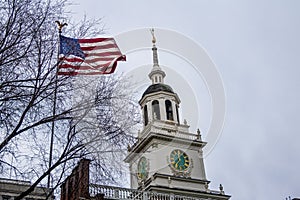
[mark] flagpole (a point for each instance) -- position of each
(60, 26)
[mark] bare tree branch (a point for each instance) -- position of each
(94, 116)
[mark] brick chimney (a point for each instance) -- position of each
(76, 186)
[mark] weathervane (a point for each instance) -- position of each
(153, 37)
(154, 49)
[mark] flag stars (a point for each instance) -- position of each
(70, 46)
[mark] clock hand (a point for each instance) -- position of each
(176, 165)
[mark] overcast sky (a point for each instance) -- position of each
(255, 45)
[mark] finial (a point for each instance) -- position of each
(154, 49)
(184, 122)
(153, 37)
(60, 26)
(206, 186)
(198, 134)
(221, 189)
(156, 75)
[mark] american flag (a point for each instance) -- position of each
(88, 56)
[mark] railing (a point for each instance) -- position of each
(175, 134)
(114, 192)
(132, 194)
(11, 181)
(164, 128)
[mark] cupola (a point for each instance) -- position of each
(159, 101)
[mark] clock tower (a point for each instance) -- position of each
(167, 157)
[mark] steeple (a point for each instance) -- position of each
(167, 157)
(157, 75)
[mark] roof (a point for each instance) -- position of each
(157, 88)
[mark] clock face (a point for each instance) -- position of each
(142, 168)
(179, 160)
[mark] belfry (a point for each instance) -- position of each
(167, 158)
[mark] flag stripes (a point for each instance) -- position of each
(88, 56)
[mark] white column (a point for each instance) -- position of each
(162, 109)
(150, 112)
(174, 111)
(177, 113)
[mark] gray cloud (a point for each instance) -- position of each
(256, 46)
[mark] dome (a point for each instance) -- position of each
(157, 88)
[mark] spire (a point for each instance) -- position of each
(157, 75)
(154, 49)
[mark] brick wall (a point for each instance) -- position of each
(76, 186)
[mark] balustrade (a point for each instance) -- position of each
(132, 194)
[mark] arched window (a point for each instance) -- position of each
(155, 109)
(155, 79)
(169, 110)
(145, 115)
